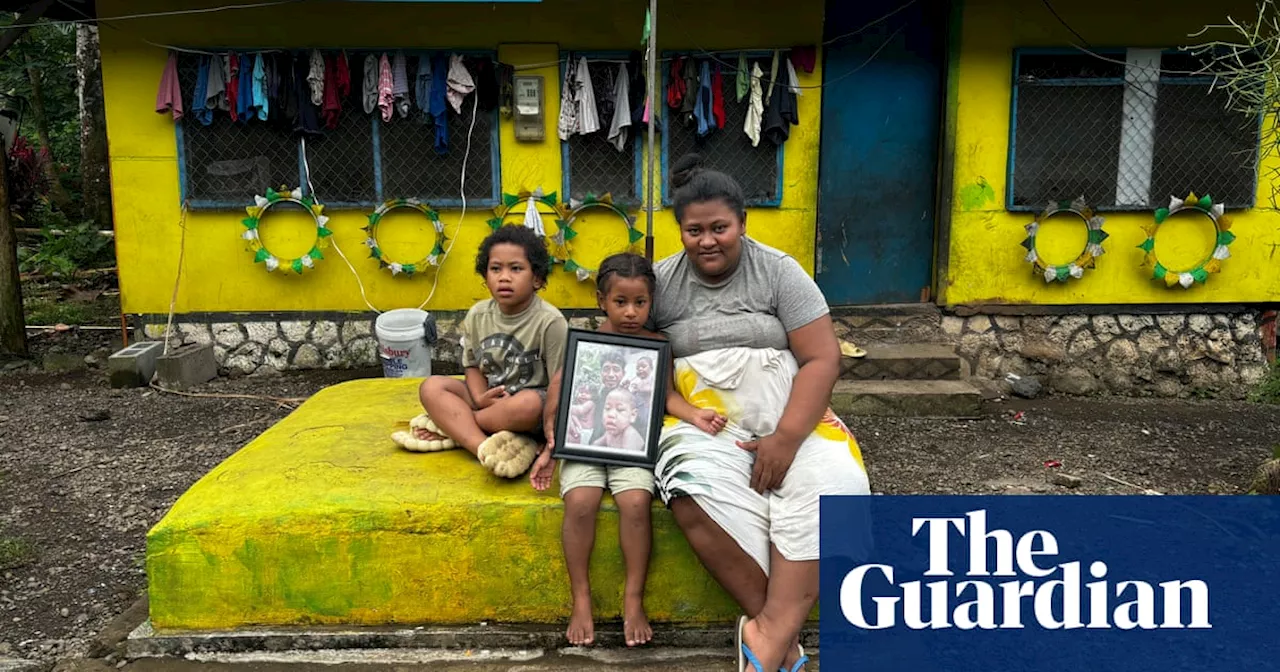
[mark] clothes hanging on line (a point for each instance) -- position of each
(717, 97)
(755, 108)
(621, 109)
(676, 87)
(315, 77)
(331, 111)
(460, 83)
(422, 86)
(743, 79)
(702, 111)
(369, 83)
(804, 57)
(781, 114)
(400, 84)
(233, 86)
(588, 115)
(385, 100)
(287, 103)
(690, 101)
(169, 96)
(439, 102)
(567, 123)
(199, 96)
(261, 103)
(308, 119)
(639, 91)
(245, 107)
(485, 76)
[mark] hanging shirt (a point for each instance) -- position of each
(369, 83)
(702, 112)
(567, 123)
(169, 96)
(271, 65)
(400, 84)
(676, 87)
(717, 97)
(422, 86)
(744, 77)
(315, 77)
(331, 111)
(793, 82)
(440, 102)
(460, 83)
(286, 116)
(343, 77)
(773, 77)
(308, 121)
(261, 101)
(244, 104)
(621, 109)
(781, 114)
(588, 115)
(486, 78)
(199, 96)
(804, 57)
(385, 98)
(233, 86)
(219, 70)
(755, 109)
(639, 94)
(690, 102)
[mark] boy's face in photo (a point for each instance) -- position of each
(643, 368)
(619, 412)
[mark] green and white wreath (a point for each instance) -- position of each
(567, 233)
(1087, 257)
(432, 258)
(252, 223)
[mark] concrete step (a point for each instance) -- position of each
(906, 398)
(914, 361)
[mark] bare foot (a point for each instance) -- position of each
(764, 647)
(426, 435)
(635, 624)
(582, 631)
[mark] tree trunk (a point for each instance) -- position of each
(94, 165)
(57, 194)
(13, 333)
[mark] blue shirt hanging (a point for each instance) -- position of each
(439, 101)
(199, 109)
(702, 109)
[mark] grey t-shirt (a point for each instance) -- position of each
(767, 296)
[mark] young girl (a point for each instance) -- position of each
(511, 345)
(624, 291)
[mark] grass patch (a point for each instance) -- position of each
(44, 311)
(15, 552)
(1268, 391)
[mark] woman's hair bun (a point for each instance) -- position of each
(684, 169)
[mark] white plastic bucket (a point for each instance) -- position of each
(402, 344)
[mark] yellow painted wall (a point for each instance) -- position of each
(218, 274)
(986, 262)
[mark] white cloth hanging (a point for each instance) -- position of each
(621, 109)
(533, 219)
(567, 123)
(588, 115)
(793, 82)
(315, 77)
(755, 110)
(460, 83)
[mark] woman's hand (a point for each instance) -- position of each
(491, 396)
(774, 455)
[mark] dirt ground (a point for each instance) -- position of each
(86, 470)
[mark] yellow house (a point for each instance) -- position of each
(930, 134)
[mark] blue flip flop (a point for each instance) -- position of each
(799, 662)
(744, 654)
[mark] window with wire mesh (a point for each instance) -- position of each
(360, 162)
(1125, 136)
(592, 164)
(726, 149)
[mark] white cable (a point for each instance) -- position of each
(462, 189)
(334, 239)
(146, 15)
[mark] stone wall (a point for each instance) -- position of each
(1141, 355)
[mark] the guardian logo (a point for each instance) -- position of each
(1052, 596)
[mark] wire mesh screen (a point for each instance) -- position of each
(341, 160)
(227, 161)
(1125, 137)
(727, 149)
(411, 167)
(594, 165)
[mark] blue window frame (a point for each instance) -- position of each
(590, 164)
(758, 169)
(358, 165)
(1123, 132)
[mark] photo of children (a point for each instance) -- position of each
(613, 397)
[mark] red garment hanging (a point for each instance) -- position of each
(717, 97)
(332, 109)
(676, 89)
(233, 83)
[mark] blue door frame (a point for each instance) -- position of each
(882, 97)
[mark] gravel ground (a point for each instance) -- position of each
(86, 470)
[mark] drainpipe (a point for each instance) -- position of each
(653, 120)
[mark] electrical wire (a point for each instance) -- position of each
(306, 166)
(149, 15)
(462, 190)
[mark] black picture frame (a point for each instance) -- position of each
(585, 361)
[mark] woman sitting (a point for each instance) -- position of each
(752, 337)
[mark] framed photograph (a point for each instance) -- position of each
(612, 398)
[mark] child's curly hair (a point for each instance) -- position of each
(535, 250)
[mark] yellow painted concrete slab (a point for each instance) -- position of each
(323, 520)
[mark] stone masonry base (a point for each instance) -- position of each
(1170, 355)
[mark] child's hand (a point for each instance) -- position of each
(490, 396)
(708, 420)
(543, 468)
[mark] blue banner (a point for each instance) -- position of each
(1031, 583)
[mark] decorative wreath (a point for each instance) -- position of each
(263, 203)
(1092, 249)
(510, 201)
(375, 251)
(567, 232)
(1212, 263)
